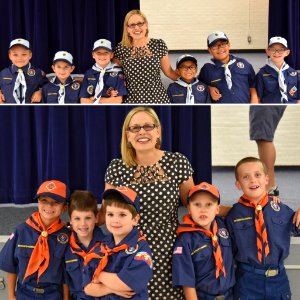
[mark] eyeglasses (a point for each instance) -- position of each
(221, 45)
(137, 128)
(139, 24)
(185, 68)
(279, 51)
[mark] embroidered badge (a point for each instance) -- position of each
(11, 236)
(131, 250)
(292, 91)
(275, 206)
(177, 250)
(223, 233)
(113, 74)
(145, 257)
(240, 65)
(293, 73)
(31, 72)
(50, 186)
(75, 86)
(90, 89)
(62, 238)
(200, 88)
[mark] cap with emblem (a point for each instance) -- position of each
(204, 187)
(185, 57)
(54, 189)
(127, 194)
(63, 56)
(102, 43)
(278, 40)
(20, 42)
(216, 36)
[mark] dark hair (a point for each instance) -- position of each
(249, 159)
(83, 201)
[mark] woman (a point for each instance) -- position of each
(159, 178)
(142, 58)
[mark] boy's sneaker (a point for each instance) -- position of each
(274, 191)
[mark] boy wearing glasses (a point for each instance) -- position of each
(277, 82)
(188, 89)
(230, 79)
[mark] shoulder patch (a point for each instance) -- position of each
(62, 238)
(275, 206)
(177, 250)
(240, 65)
(200, 87)
(131, 250)
(75, 86)
(223, 232)
(31, 72)
(90, 89)
(293, 73)
(145, 257)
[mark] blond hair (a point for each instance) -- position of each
(126, 38)
(249, 159)
(128, 153)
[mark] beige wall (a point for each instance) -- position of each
(185, 24)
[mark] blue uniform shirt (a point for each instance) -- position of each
(111, 80)
(177, 93)
(267, 85)
(74, 266)
(51, 89)
(35, 79)
(193, 263)
(278, 221)
(133, 266)
(242, 75)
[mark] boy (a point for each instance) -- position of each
(33, 255)
(85, 237)
(103, 83)
(62, 88)
(230, 79)
(21, 82)
(202, 256)
(277, 82)
(126, 264)
(260, 230)
(187, 89)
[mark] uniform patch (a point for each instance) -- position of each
(131, 250)
(293, 73)
(240, 65)
(200, 88)
(145, 257)
(11, 236)
(275, 206)
(90, 89)
(31, 72)
(292, 91)
(223, 232)
(177, 250)
(75, 86)
(50, 186)
(113, 74)
(62, 238)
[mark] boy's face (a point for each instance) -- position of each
(203, 208)
(252, 180)
(220, 50)
(83, 223)
(102, 57)
(119, 222)
(277, 53)
(187, 70)
(62, 70)
(50, 209)
(19, 56)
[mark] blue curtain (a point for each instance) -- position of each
(70, 25)
(76, 144)
(284, 20)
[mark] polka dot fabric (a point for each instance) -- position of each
(159, 215)
(142, 73)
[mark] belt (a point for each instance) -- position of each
(216, 297)
(41, 290)
(267, 272)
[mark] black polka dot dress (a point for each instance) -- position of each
(142, 72)
(158, 189)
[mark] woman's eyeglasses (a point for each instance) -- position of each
(137, 128)
(132, 25)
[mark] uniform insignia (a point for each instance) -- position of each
(50, 186)
(90, 89)
(222, 232)
(200, 88)
(275, 206)
(113, 74)
(240, 65)
(292, 91)
(11, 236)
(62, 238)
(75, 86)
(31, 72)
(145, 257)
(293, 73)
(177, 250)
(131, 250)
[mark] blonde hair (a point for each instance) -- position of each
(128, 153)
(249, 159)
(127, 39)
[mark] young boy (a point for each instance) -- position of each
(62, 88)
(104, 82)
(33, 255)
(187, 89)
(202, 256)
(277, 82)
(126, 264)
(260, 230)
(21, 82)
(230, 79)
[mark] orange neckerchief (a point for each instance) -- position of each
(40, 257)
(189, 225)
(87, 256)
(261, 230)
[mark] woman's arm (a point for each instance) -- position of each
(167, 69)
(184, 189)
(101, 213)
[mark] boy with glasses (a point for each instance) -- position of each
(277, 82)
(230, 79)
(188, 89)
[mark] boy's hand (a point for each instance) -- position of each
(214, 93)
(114, 93)
(2, 99)
(128, 294)
(296, 219)
(36, 96)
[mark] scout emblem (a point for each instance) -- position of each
(62, 238)
(31, 72)
(131, 250)
(200, 88)
(75, 86)
(90, 89)
(223, 233)
(275, 206)
(240, 65)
